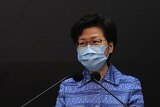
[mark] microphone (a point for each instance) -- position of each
(95, 76)
(77, 77)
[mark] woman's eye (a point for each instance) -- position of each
(81, 44)
(95, 42)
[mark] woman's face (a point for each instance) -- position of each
(95, 33)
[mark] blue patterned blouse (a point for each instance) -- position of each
(79, 94)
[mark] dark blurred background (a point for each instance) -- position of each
(36, 50)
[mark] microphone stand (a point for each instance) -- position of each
(109, 92)
(45, 91)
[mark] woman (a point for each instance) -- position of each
(95, 37)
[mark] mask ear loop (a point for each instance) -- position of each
(107, 47)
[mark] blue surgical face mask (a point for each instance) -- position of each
(92, 57)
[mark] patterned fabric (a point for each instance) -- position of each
(89, 94)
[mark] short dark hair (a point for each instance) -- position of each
(95, 20)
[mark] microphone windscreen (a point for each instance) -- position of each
(96, 75)
(78, 76)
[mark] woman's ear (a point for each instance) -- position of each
(110, 47)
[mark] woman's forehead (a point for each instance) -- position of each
(91, 32)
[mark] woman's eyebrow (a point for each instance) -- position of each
(93, 37)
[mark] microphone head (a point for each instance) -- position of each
(96, 75)
(78, 76)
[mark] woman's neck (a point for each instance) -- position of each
(103, 70)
